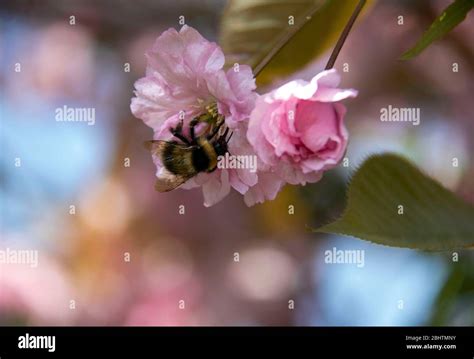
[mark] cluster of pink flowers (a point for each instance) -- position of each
(296, 131)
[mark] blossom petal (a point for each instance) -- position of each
(269, 184)
(215, 189)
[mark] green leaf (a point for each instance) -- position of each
(250, 29)
(449, 294)
(433, 218)
(449, 19)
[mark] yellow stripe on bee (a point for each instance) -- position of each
(210, 151)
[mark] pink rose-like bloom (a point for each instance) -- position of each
(298, 131)
(185, 74)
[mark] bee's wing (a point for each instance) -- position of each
(167, 180)
(156, 146)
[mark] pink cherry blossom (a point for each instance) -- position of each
(267, 188)
(184, 75)
(297, 130)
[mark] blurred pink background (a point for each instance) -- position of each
(127, 257)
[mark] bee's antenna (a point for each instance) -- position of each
(224, 135)
(227, 141)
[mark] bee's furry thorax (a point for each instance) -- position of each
(185, 159)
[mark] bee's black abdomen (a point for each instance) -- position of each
(200, 160)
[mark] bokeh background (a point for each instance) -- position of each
(181, 268)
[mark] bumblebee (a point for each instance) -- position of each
(185, 158)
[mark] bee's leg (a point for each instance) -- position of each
(192, 132)
(178, 133)
(215, 131)
(227, 141)
(224, 135)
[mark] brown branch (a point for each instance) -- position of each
(345, 32)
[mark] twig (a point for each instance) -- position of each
(345, 32)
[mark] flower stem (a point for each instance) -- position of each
(345, 32)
